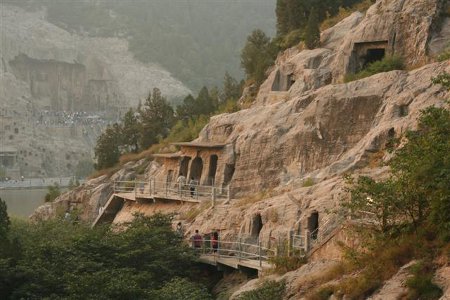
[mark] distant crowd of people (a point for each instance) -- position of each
(65, 118)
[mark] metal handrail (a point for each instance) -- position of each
(261, 253)
(152, 188)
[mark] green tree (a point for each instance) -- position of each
(61, 260)
(281, 12)
(257, 55)
(157, 117)
(53, 192)
(4, 220)
(312, 31)
(131, 131)
(231, 88)
(107, 150)
(418, 191)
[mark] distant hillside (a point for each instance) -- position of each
(196, 40)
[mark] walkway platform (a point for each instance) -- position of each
(234, 262)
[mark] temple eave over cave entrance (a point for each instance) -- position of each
(204, 162)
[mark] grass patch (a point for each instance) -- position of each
(308, 182)
(286, 263)
(389, 63)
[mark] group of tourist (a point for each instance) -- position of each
(200, 242)
(181, 182)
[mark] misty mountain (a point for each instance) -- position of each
(196, 40)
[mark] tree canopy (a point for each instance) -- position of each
(58, 260)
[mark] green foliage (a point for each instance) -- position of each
(53, 192)
(312, 31)
(308, 182)
(106, 150)
(60, 260)
(417, 192)
(285, 263)
(182, 289)
(420, 284)
(4, 220)
(204, 104)
(442, 79)
(131, 131)
(257, 55)
(187, 130)
(444, 55)
(268, 290)
(303, 17)
(389, 63)
(156, 117)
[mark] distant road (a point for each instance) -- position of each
(30, 183)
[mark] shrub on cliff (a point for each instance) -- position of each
(388, 63)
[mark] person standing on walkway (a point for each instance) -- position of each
(181, 180)
(215, 241)
(197, 240)
(192, 186)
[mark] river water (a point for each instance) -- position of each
(22, 202)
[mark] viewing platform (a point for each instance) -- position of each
(153, 190)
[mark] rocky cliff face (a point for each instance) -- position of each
(295, 144)
(45, 68)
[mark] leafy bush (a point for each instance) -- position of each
(444, 56)
(182, 289)
(53, 192)
(285, 263)
(387, 64)
(442, 79)
(268, 290)
(308, 182)
(421, 285)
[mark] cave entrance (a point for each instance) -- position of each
(374, 55)
(196, 169)
(228, 174)
(212, 169)
(184, 166)
(282, 82)
(256, 225)
(364, 53)
(313, 224)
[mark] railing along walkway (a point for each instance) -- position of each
(153, 189)
(235, 254)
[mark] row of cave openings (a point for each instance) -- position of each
(312, 225)
(196, 170)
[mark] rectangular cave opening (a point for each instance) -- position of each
(374, 55)
(365, 53)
